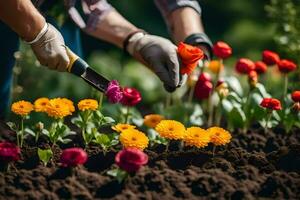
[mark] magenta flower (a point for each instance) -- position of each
(114, 92)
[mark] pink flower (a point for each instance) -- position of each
(72, 157)
(131, 159)
(9, 152)
(114, 92)
(131, 96)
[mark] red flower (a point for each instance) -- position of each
(270, 57)
(72, 157)
(203, 86)
(286, 66)
(9, 152)
(260, 67)
(252, 78)
(244, 66)
(271, 103)
(296, 96)
(222, 50)
(131, 159)
(190, 56)
(131, 96)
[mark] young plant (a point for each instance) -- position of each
(106, 141)
(22, 109)
(270, 104)
(45, 155)
(129, 161)
(37, 131)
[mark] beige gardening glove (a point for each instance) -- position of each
(160, 55)
(49, 48)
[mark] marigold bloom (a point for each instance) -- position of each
(131, 159)
(286, 66)
(122, 127)
(222, 50)
(197, 137)
(57, 108)
(296, 96)
(190, 56)
(271, 103)
(260, 67)
(219, 136)
(88, 104)
(134, 138)
(22, 108)
(152, 120)
(215, 66)
(72, 157)
(40, 105)
(244, 66)
(171, 129)
(69, 103)
(270, 57)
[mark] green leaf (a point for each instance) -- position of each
(12, 125)
(262, 90)
(45, 155)
(235, 85)
(227, 105)
(108, 120)
(237, 117)
(29, 131)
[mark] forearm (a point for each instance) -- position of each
(184, 22)
(22, 17)
(113, 28)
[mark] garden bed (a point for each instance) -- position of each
(253, 165)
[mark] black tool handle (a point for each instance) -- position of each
(76, 66)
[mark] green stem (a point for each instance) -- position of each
(37, 136)
(269, 115)
(219, 113)
(127, 115)
(22, 132)
(101, 100)
(191, 93)
(168, 100)
(285, 86)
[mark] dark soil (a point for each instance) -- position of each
(254, 166)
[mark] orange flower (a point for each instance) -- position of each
(197, 137)
(132, 138)
(190, 56)
(152, 120)
(171, 129)
(215, 66)
(22, 108)
(122, 127)
(57, 108)
(40, 105)
(69, 103)
(219, 136)
(88, 104)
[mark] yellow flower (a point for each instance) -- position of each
(171, 129)
(215, 66)
(57, 108)
(88, 104)
(122, 127)
(219, 136)
(40, 105)
(69, 103)
(197, 137)
(152, 120)
(134, 138)
(22, 108)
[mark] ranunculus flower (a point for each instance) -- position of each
(72, 157)
(190, 56)
(203, 89)
(244, 66)
(222, 50)
(270, 57)
(286, 66)
(271, 103)
(131, 96)
(296, 96)
(131, 159)
(114, 92)
(260, 67)
(9, 152)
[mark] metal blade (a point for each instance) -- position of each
(96, 80)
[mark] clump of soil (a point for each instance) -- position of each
(255, 165)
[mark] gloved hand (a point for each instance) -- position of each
(160, 55)
(50, 49)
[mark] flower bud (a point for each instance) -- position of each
(222, 89)
(252, 79)
(296, 107)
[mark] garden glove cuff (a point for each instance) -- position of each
(203, 42)
(159, 54)
(49, 48)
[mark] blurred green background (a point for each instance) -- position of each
(248, 26)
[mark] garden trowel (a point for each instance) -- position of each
(80, 68)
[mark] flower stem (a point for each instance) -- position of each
(191, 93)
(22, 132)
(285, 86)
(100, 99)
(127, 115)
(219, 113)
(269, 115)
